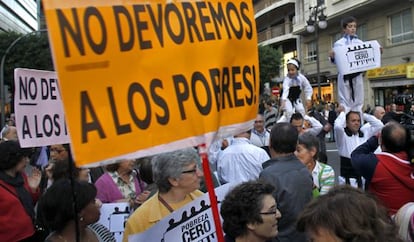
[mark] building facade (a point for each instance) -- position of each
(18, 15)
(390, 24)
(274, 22)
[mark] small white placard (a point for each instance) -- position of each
(358, 57)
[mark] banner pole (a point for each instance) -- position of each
(210, 188)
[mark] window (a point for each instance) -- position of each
(362, 32)
(336, 37)
(311, 54)
(401, 25)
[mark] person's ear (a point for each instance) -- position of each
(251, 226)
(313, 151)
(173, 181)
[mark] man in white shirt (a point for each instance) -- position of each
(241, 161)
(306, 124)
(348, 135)
(259, 136)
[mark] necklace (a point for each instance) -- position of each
(166, 205)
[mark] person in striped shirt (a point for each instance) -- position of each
(323, 175)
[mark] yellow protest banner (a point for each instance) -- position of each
(141, 74)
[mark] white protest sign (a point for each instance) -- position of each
(193, 222)
(113, 217)
(357, 57)
(40, 119)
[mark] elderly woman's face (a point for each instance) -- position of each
(190, 177)
(126, 165)
(305, 155)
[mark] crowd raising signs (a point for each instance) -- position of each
(139, 74)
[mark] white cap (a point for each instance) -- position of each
(293, 62)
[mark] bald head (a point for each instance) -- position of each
(9, 133)
(393, 137)
(379, 112)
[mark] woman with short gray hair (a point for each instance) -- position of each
(163, 170)
(178, 178)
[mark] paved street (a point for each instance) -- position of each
(333, 157)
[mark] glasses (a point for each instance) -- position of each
(258, 121)
(271, 212)
(57, 150)
(192, 171)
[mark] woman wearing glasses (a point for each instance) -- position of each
(178, 179)
(58, 167)
(250, 213)
(59, 152)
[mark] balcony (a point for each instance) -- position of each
(260, 5)
(272, 32)
(278, 7)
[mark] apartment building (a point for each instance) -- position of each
(389, 22)
(274, 21)
(18, 15)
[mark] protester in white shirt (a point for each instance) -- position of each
(348, 135)
(306, 124)
(241, 161)
(259, 136)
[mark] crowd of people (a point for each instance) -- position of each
(284, 187)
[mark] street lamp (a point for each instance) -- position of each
(316, 21)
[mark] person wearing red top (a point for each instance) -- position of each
(389, 174)
(18, 194)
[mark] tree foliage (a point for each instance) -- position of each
(269, 63)
(31, 51)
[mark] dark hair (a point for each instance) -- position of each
(145, 169)
(242, 205)
(309, 141)
(296, 116)
(345, 21)
(349, 213)
(394, 137)
(11, 154)
(56, 204)
(352, 112)
(283, 138)
(61, 170)
(269, 102)
(112, 167)
(66, 147)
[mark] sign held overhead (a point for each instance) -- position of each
(137, 75)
